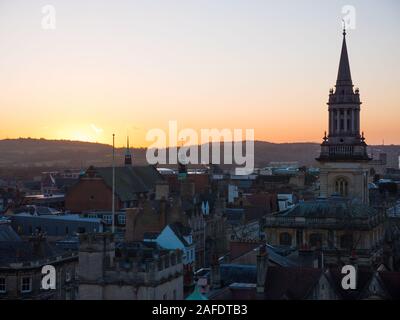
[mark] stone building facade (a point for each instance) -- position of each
(128, 271)
(21, 264)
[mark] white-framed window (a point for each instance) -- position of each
(26, 284)
(3, 286)
(107, 218)
(121, 219)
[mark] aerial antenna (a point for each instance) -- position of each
(113, 186)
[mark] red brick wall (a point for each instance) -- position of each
(90, 194)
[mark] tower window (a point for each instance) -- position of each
(341, 187)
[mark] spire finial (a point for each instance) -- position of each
(344, 28)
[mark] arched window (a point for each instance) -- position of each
(346, 241)
(285, 239)
(342, 187)
(316, 240)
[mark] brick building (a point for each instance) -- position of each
(93, 191)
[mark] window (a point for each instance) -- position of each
(3, 287)
(341, 187)
(107, 218)
(122, 219)
(285, 239)
(299, 237)
(26, 284)
(165, 297)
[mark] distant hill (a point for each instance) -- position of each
(41, 153)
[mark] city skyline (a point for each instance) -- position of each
(152, 64)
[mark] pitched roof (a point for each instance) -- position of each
(290, 283)
(22, 251)
(130, 180)
(231, 273)
(281, 283)
(7, 233)
(181, 232)
(363, 278)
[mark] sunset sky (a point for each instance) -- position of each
(130, 66)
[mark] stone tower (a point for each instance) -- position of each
(344, 160)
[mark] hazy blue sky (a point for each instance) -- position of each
(128, 66)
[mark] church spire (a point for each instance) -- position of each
(344, 74)
(128, 156)
(344, 141)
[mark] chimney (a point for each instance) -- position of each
(130, 224)
(187, 189)
(243, 291)
(262, 268)
(162, 190)
(215, 273)
(163, 213)
(38, 241)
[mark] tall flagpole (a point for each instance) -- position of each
(113, 187)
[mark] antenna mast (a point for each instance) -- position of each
(113, 187)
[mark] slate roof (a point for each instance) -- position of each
(290, 283)
(22, 251)
(181, 231)
(281, 283)
(231, 273)
(130, 180)
(7, 233)
(273, 256)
